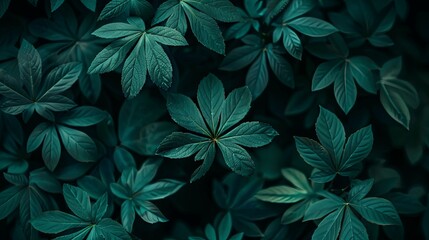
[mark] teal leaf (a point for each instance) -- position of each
(257, 76)
(377, 210)
(83, 116)
(205, 29)
(111, 229)
(352, 227)
(236, 106)
(313, 153)
(167, 36)
(281, 194)
(113, 55)
(134, 71)
(78, 144)
(181, 145)
(9, 200)
(56, 222)
(150, 213)
(312, 27)
(345, 89)
(30, 67)
(250, 134)
(292, 43)
(78, 201)
(396, 95)
(331, 134)
(211, 96)
(207, 154)
(330, 226)
(359, 189)
(128, 215)
(358, 147)
(239, 58)
(185, 113)
(321, 208)
(281, 67)
(237, 159)
(99, 208)
(326, 73)
(160, 189)
(158, 64)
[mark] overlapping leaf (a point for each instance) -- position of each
(333, 155)
(259, 56)
(201, 16)
(211, 128)
(147, 54)
(135, 190)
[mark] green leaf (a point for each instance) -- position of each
(185, 113)
(281, 67)
(297, 8)
(4, 5)
(224, 227)
(237, 159)
(78, 201)
(113, 55)
(361, 68)
(30, 67)
(116, 30)
(292, 43)
(391, 68)
(359, 189)
(239, 58)
(221, 10)
(345, 89)
(281, 194)
(128, 215)
(377, 210)
(250, 134)
(56, 222)
(9, 200)
(205, 29)
(79, 145)
(274, 8)
(353, 228)
(51, 150)
(297, 178)
(397, 96)
(83, 116)
(257, 76)
(160, 189)
(158, 64)
(207, 154)
(113, 8)
(181, 145)
(167, 36)
(150, 213)
(60, 79)
(331, 134)
(321, 208)
(99, 208)
(312, 27)
(236, 106)
(112, 230)
(358, 147)
(211, 96)
(313, 153)
(326, 73)
(134, 71)
(330, 226)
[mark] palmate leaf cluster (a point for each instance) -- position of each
(214, 119)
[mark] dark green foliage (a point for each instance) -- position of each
(212, 128)
(214, 119)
